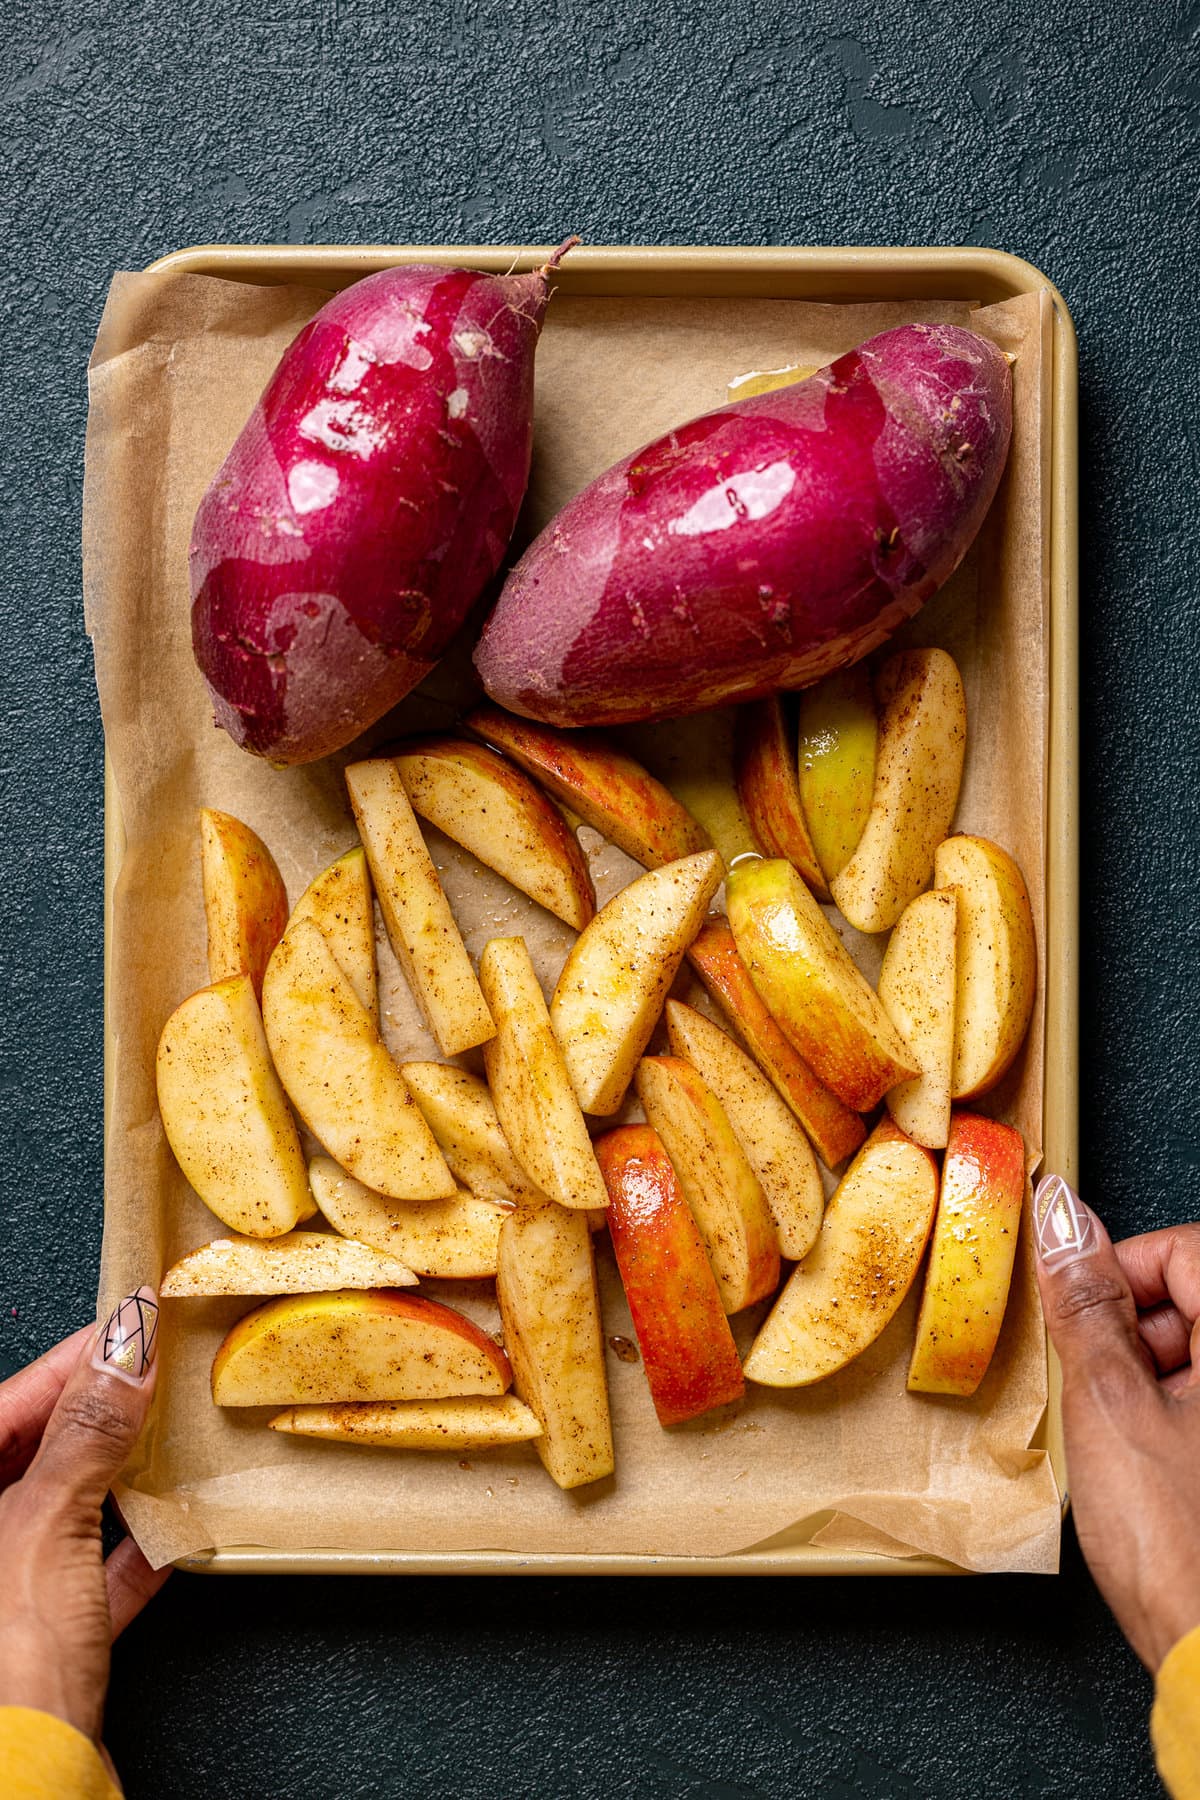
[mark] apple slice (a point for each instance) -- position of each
(836, 1132)
(851, 1284)
(997, 960)
(446, 1240)
(340, 904)
(765, 381)
(922, 740)
(718, 1183)
(472, 1424)
(494, 811)
(339, 1075)
(313, 1349)
(420, 925)
(534, 1099)
(839, 732)
(770, 790)
(775, 1146)
(810, 982)
(614, 982)
(693, 758)
(606, 789)
(917, 987)
(245, 901)
(300, 1262)
(461, 1114)
(225, 1114)
(688, 1352)
(971, 1256)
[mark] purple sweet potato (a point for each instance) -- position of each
(760, 546)
(367, 501)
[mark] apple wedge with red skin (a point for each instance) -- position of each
(245, 901)
(688, 1352)
(768, 786)
(605, 788)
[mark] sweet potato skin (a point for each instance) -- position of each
(762, 545)
(366, 502)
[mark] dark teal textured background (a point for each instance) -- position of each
(1065, 133)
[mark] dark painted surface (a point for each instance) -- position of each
(127, 129)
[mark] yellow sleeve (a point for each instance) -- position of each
(43, 1758)
(1175, 1721)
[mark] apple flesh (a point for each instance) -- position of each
(693, 757)
(996, 960)
(769, 788)
(838, 736)
(688, 1352)
(458, 1424)
(461, 1114)
(448, 1240)
(340, 904)
(917, 988)
(245, 901)
(300, 1262)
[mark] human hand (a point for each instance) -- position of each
(1125, 1321)
(67, 1426)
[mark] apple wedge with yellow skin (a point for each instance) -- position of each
(300, 1262)
(970, 1257)
(693, 758)
(688, 1353)
(459, 1424)
(225, 1114)
(997, 960)
(917, 987)
(918, 772)
(475, 797)
(611, 990)
(720, 1187)
(318, 1349)
(416, 912)
(446, 1240)
(534, 1099)
(461, 1114)
(245, 901)
(810, 982)
(837, 740)
(340, 904)
(770, 789)
(775, 1146)
(550, 1311)
(340, 1076)
(605, 788)
(835, 1131)
(853, 1281)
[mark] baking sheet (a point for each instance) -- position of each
(178, 362)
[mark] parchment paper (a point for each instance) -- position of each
(178, 363)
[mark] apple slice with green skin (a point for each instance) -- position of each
(693, 757)
(447, 1240)
(300, 1262)
(688, 1353)
(550, 1309)
(225, 1114)
(810, 982)
(339, 1075)
(459, 1424)
(605, 788)
(838, 734)
(493, 810)
(245, 901)
(851, 1284)
(997, 960)
(461, 1114)
(836, 1132)
(719, 1185)
(420, 925)
(917, 987)
(340, 904)
(770, 791)
(918, 771)
(534, 1099)
(316, 1349)
(775, 1146)
(613, 984)
(971, 1256)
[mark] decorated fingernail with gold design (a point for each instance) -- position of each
(128, 1341)
(1065, 1228)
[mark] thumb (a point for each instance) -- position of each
(1089, 1308)
(102, 1408)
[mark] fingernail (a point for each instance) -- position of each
(1064, 1226)
(127, 1343)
